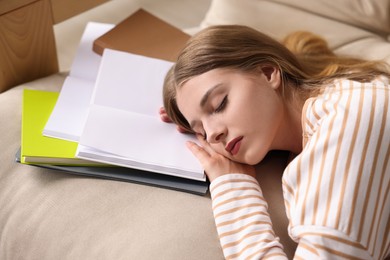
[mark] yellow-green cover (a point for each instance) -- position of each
(39, 149)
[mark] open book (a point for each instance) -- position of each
(68, 116)
(123, 126)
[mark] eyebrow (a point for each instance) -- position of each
(208, 93)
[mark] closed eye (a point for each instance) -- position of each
(222, 105)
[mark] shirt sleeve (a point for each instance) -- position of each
(245, 229)
(336, 190)
(243, 224)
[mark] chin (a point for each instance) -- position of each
(253, 163)
(249, 159)
(253, 160)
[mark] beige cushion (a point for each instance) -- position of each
(372, 15)
(47, 214)
(278, 19)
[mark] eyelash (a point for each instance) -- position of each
(219, 109)
(222, 106)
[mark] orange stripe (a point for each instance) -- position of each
(384, 121)
(304, 119)
(360, 171)
(288, 187)
(311, 165)
(232, 181)
(229, 222)
(268, 255)
(308, 248)
(360, 86)
(237, 199)
(337, 253)
(349, 157)
(298, 174)
(372, 173)
(335, 238)
(381, 216)
(309, 124)
(324, 155)
(383, 249)
(314, 112)
(235, 255)
(245, 237)
(336, 156)
(235, 189)
(229, 233)
(248, 206)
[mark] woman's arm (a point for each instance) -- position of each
(241, 216)
(337, 190)
(240, 210)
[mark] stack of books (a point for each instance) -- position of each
(105, 121)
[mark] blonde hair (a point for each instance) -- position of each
(323, 65)
(304, 59)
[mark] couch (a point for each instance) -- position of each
(48, 214)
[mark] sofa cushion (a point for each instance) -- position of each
(48, 214)
(372, 15)
(278, 19)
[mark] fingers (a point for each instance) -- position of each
(200, 153)
(205, 144)
(163, 115)
(162, 110)
(181, 129)
(165, 118)
(214, 164)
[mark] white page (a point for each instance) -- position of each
(69, 114)
(123, 120)
(130, 82)
(129, 139)
(86, 62)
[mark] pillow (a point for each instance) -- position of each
(372, 15)
(278, 19)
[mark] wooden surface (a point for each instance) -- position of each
(7, 6)
(27, 44)
(64, 9)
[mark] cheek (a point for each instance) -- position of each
(219, 148)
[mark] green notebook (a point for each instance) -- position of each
(39, 149)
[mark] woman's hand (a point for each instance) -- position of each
(165, 118)
(216, 164)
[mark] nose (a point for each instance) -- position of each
(215, 132)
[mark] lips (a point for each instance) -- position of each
(234, 145)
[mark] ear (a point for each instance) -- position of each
(272, 75)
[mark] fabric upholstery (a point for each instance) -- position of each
(278, 18)
(46, 214)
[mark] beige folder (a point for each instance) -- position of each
(144, 34)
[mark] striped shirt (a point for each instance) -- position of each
(336, 191)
